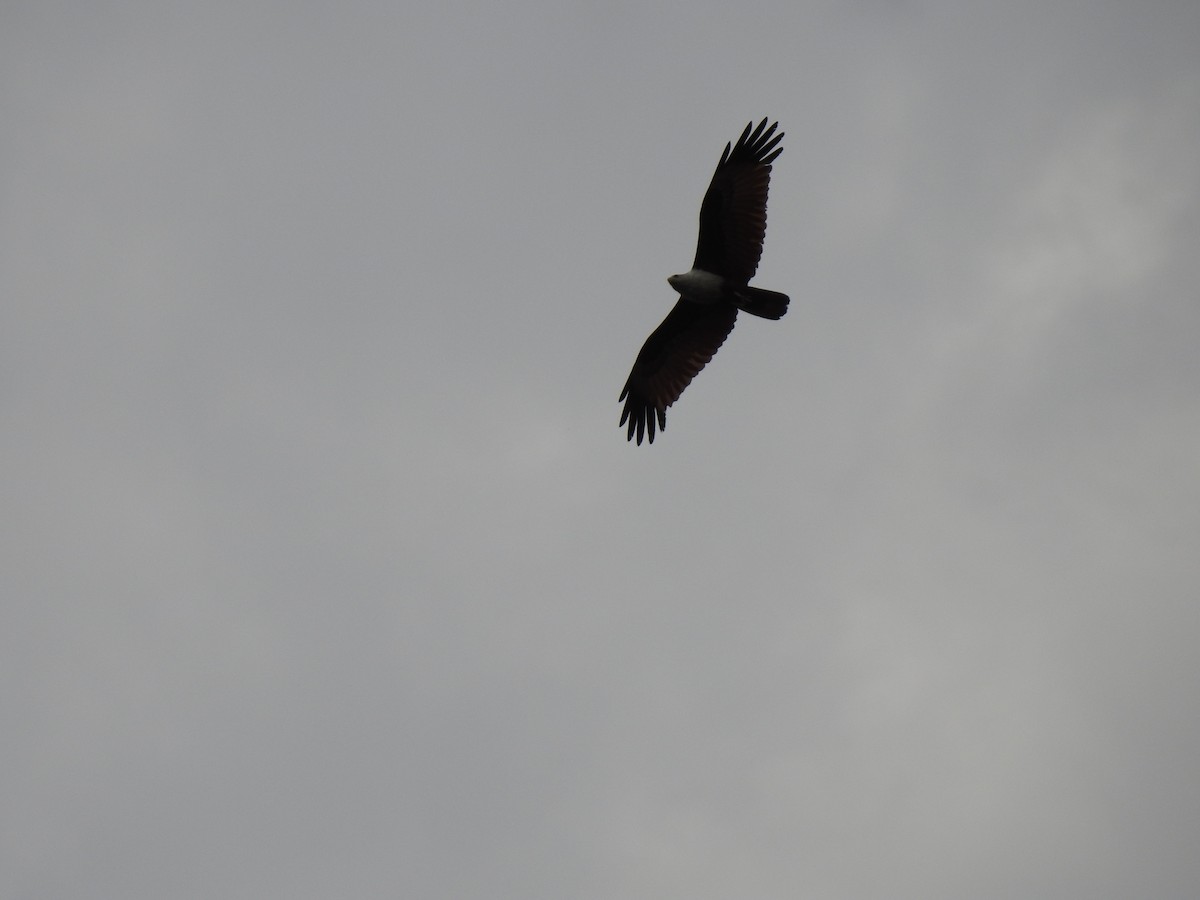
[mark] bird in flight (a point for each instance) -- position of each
(733, 221)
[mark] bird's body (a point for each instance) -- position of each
(733, 221)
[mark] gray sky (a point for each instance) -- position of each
(327, 571)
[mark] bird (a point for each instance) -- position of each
(733, 223)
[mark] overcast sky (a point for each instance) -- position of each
(327, 571)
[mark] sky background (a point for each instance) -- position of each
(327, 571)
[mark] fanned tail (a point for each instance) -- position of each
(763, 303)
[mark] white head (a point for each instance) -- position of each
(699, 286)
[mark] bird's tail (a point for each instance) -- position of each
(760, 302)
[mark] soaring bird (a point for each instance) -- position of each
(733, 221)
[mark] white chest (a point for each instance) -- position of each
(699, 286)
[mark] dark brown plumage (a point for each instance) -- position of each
(733, 222)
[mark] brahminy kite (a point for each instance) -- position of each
(733, 221)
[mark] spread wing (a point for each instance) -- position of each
(669, 360)
(733, 217)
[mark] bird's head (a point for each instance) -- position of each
(673, 281)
